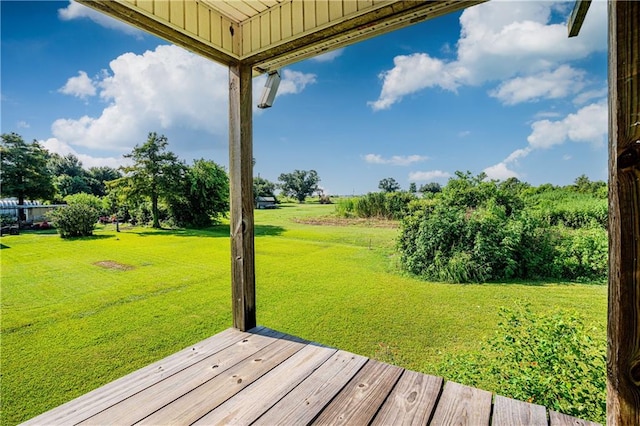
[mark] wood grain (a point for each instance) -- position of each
(112, 393)
(173, 387)
(359, 401)
(412, 400)
(623, 360)
(511, 412)
(269, 389)
(462, 405)
(559, 419)
(303, 404)
(201, 400)
(243, 280)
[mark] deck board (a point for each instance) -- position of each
(265, 377)
(462, 405)
(412, 400)
(303, 404)
(270, 389)
(511, 412)
(358, 402)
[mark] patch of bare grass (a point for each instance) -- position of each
(341, 221)
(110, 264)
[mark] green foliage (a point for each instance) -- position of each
(79, 217)
(389, 185)
(379, 205)
(478, 230)
(547, 359)
(23, 170)
(583, 254)
(99, 176)
(299, 184)
(569, 208)
(205, 197)
(263, 187)
(432, 188)
(155, 175)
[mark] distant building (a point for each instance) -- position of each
(266, 203)
(33, 210)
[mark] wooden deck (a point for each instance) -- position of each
(268, 378)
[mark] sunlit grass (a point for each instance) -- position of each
(69, 325)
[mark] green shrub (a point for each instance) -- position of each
(379, 205)
(74, 220)
(479, 230)
(86, 199)
(552, 360)
(582, 254)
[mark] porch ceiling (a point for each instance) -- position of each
(270, 34)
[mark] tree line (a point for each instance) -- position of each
(157, 187)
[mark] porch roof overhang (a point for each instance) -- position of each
(270, 34)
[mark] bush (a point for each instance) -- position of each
(551, 360)
(75, 220)
(478, 231)
(379, 205)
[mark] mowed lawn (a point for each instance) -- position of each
(79, 313)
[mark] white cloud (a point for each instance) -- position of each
(498, 41)
(546, 85)
(294, 82)
(78, 11)
(160, 90)
(428, 176)
(410, 74)
(22, 124)
(80, 86)
(329, 56)
(62, 148)
(588, 125)
(500, 171)
(396, 160)
(464, 133)
(589, 95)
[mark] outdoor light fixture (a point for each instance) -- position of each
(270, 90)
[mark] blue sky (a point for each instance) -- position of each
(497, 88)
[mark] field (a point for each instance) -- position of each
(79, 313)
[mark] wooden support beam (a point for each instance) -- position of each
(578, 14)
(623, 355)
(241, 190)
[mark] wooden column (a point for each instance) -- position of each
(623, 357)
(241, 191)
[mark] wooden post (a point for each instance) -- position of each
(243, 284)
(623, 355)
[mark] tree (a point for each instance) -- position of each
(263, 188)
(98, 176)
(155, 174)
(432, 187)
(23, 171)
(205, 197)
(413, 188)
(300, 184)
(389, 185)
(69, 165)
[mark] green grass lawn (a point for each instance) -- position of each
(71, 323)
